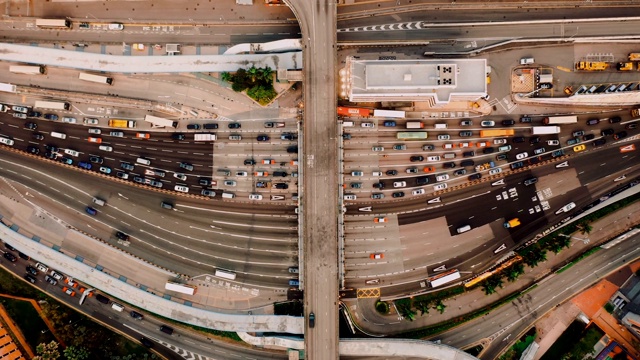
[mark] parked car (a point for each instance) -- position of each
(416, 158)
(487, 123)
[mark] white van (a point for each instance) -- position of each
(347, 123)
(464, 229)
(143, 161)
(58, 135)
(441, 126)
(526, 61)
(98, 201)
(117, 307)
(226, 195)
(71, 152)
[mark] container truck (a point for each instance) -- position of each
(389, 113)
(544, 130)
(552, 120)
(497, 132)
(7, 87)
(345, 111)
(591, 66)
(119, 123)
(512, 223)
(415, 125)
(204, 137)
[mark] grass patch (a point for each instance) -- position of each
(28, 321)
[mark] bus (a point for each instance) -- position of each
(225, 274)
(181, 288)
(96, 78)
(160, 122)
(412, 135)
(53, 23)
(27, 69)
(56, 105)
(389, 113)
(560, 120)
(496, 132)
(443, 278)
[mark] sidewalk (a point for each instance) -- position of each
(603, 230)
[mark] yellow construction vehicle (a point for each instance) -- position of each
(625, 66)
(591, 66)
(512, 223)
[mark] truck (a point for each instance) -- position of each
(634, 57)
(553, 120)
(485, 166)
(7, 87)
(415, 125)
(119, 123)
(204, 137)
(591, 66)
(497, 132)
(511, 223)
(544, 130)
(345, 111)
(625, 66)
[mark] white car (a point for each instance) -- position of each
(437, 187)
(349, 196)
(522, 156)
(495, 171)
(464, 144)
(488, 123)
(105, 148)
(418, 192)
(367, 124)
(181, 188)
(433, 158)
(69, 120)
(444, 137)
(21, 109)
(116, 26)
(241, 173)
(377, 173)
(91, 121)
(95, 131)
(553, 142)
(398, 184)
(566, 208)
(255, 197)
(20, 115)
(442, 177)
(377, 148)
(180, 176)
(499, 141)
(447, 146)
(230, 183)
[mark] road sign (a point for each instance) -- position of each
(498, 183)
(624, 149)
(562, 164)
(368, 208)
(434, 200)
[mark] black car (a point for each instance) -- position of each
(30, 278)
(416, 158)
(103, 299)
(546, 86)
(398, 194)
(24, 256)
(146, 342)
(467, 162)
(422, 180)
(508, 122)
(52, 117)
(193, 127)
(518, 139)
(449, 165)
(85, 25)
(178, 136)
(33, 149)
(10, 257)
(534, 140)
(292, 149)
(392, 172)
(249, 162)
(138, 179)
(593, 121)
(488, 150)
(606, 132)
(96, 159)
(31, 125)
(210, 126)
(525, 119)
(281, 186)
(620, 135)
(51, 148)
(466, 133)
(122, 175)
(501, 157)
(346, 136)
(122, 236)
(615, 119)
(312, 320)
(588, 137)
(287, 136)
(475, 176)
(378, 185)
(263, 138)
(204, 182)
(517, 165)
(234, 125)
(35, 114)
(599, 142)
(31, 270)
(136, 315)
(38, 136)
(280, 173)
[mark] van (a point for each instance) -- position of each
(440, 126)
(347, 123)
(166, 329)
(227, 195)
(463, 229)
(58, 135)
(98, 201)
(117, 307)
(449, 155)
(235, 137)
(143, 161)
(527, 61)
(71, 152)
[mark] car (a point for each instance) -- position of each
(122, 175)
(241, 173)
(593, 121)
(475, 176)
(400, 147)
(577, 133)
(631, 126)
(30, 278)
(483, 144)
(96, 140)
(357, 173)
(412, 170)
(534, 140)
(620, 135)
(204, 181)
(391, 172)
(579, 148)
(525, 119)
(599, 142)
(459, 172)
(429, 169)
(573, 141)
(268, 162)
(230, 183)
(499, 141)
(448, 146)
(116, 133)
(263, 138)
(127, 166)
(282, 186)
(180, 176)
(255, 197)
(249, 162)
(52, 117)
(615, 119)
(116, 26)
(31, 270)
(346, 136)
(178, 136)
(517, 139)
(444, 137)
(553, 142)
(31, 125)
(377, 148)
(465, 144)
(530, 181)
(508, 122)
(488, 150)
(284, 173)
(122, 236)
(367, 125)
(91, 211)
(448, 165)
(487, 123)
(35, 114)
(66, 160)
(466, 123)
(207, 192)
(522, 155)
(376, 256)
(517, 165)
(442, 177)
(50, 280)
(136, 315)
(588, 137)
(397, 194)
(20, 116)
(438, 187)
(33, 149)
(234, 125)
(380, 219)
(398, 184)
(538, 151)
(193, 126)
(557, 153)
(356, 185)
(389, 123)
(428, 147)
(422, 180)
(142, 135)
(606, 132)
(84, 165)
(38, 136)
(566, 208)
(105, 169)
(68, 119)
(96, 159)
(95, 131)
(378, 185)
(312, 320)
(377, 196)
(20, 109)
(214, 126)
(418, 192)
(293, 149)
(433, 158)
(186, 166)
(69, 291)
(91, 121)
(545, 86)
(10, 257)
(376, 173)
(138, 179)
(416, 158)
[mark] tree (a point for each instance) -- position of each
(584, 227)
(535, 256)
(440, 306)
(253, 73)
(405, 309)
(266, 74)
(47, 351)
(225, 76)
(488, 288)
(76, 353)
(423, 307)
(515, 271)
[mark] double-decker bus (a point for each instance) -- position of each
(225, 274)
(412, 135)
(496, 132)
(27, 69)
(56, 105)
(551, 120)
(444, 277)
(53, 23)
(96, 78)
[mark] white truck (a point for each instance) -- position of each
(204, 137)
(544, 130)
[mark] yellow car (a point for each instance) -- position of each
(579, 148)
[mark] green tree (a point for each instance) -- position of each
(76, 353)
(225, 76)
(440, 306)
(535, 256)
(47, 351)
(514, 272)
(487, 287)
(266, 74)
(422, 306)
(405, 309)
(253, 73)
(584, 227)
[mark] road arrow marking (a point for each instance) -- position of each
(368, 208)
(562, 164)
(435, 200)
(624, 149)
(498, 183)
